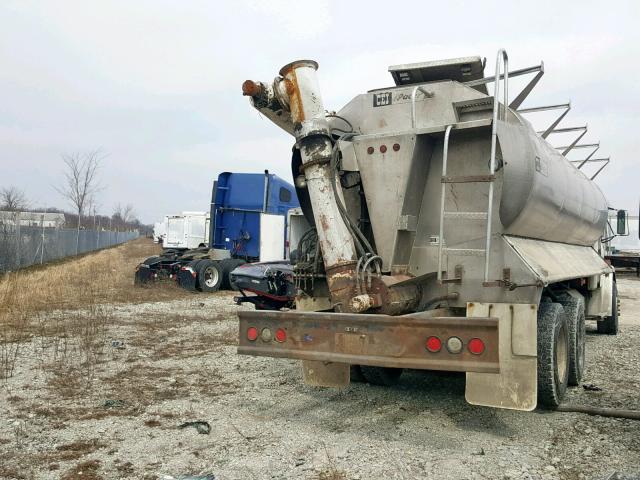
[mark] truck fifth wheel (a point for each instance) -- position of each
(449, 235)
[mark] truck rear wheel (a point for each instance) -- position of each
(574, 310)
(209, 276)
(228, 266)
(609, 325)
(384, 376)
(553, 354)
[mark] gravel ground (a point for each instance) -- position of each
(172, 362)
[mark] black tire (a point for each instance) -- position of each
(195, 264)
(228, 266)
(553, 354)
(609, 325)
(141, 277)
(381, 375)
(574, 310)
(209, 276)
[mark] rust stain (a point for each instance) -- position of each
(324, 223)
(293, 92)
(251, 88)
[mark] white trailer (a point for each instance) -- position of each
(160, 231)
(187, 230)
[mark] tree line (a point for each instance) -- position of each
(80, 188)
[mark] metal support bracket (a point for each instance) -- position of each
(563, 106)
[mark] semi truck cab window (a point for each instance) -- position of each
(285, 195)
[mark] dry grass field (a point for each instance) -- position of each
(89, 286)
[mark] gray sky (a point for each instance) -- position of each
(156, 84)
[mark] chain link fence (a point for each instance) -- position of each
(21, 246)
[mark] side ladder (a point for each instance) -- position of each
(487, 215)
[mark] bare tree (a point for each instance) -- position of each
(13, 199)
(81, 182)
(123, 215)
(128, 214)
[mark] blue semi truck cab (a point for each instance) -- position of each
(249, 215)
(248, 223)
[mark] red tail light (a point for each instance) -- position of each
(476, 346)
(252, 333)
(281, 335)
(434, 344)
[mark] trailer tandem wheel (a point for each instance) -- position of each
(553, 354)
(574, 310)
(209, 276)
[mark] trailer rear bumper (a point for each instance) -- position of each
(376, 340)
(504, 375)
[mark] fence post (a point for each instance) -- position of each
(42, 243)
(78, 232)
(18, 218)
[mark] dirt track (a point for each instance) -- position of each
(176, 362)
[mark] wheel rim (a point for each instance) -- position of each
(211, 277)
(562, 355)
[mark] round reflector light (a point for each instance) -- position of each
(281, 335)
(476, 346)
(434, 344)
(454, 345)
(265, 334)
(252, 333)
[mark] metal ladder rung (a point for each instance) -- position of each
(468, 179)
(503, 59)
(466, 251)
(466, 215)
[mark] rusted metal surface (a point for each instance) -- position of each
(341, 280)
(251, 88)
(295, 102)
(371, 339)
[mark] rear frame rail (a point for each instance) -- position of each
(371, 339)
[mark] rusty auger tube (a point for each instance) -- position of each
(294, 98)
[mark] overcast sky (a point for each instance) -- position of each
(156, 84)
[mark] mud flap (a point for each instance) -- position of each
(516, 386)
(326, 374)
